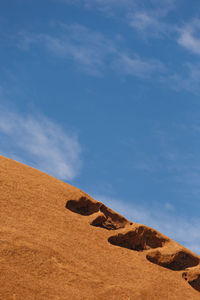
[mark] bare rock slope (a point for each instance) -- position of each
(56, 242)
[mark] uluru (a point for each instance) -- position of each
(58, 243)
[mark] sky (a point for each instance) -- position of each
(105, 95)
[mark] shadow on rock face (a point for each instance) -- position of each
(83, 206)
(177, 261)
(193, 278)
(139, 239)
(107, 218)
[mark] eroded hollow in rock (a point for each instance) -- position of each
(106, 219)
(99, 221)
(83, 206)
(109, 219)
(193, 279)
(177, 261)
(139, 239)
(195, 283)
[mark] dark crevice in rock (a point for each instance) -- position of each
(83, 206)
(109, 219)
(177, 261)
(138, 239)
(192, 279)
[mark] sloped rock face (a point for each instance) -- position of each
(139, 239)
(49, 250)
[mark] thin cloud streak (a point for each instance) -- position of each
(188, 79)
(189, 37)
(88, 49)
(161, 7)
(93, 52)
(146, 21)
(101, 4)
(135, 66)
(40, 143)
(150, 25)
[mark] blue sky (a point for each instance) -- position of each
(105, 95)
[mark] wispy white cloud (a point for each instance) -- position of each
(141, 21)
(163, 7)
(189, 36)
(188, 79)
(135, 66)
(150, 19)
(149, 24)
(146, 17)
(110, 7)
(88, 49)
(94, 52)
(180, 159)
(101, 4)
(163, 218)
(40, 143)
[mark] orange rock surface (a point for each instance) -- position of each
(56, 242)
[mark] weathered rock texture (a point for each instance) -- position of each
(57, 243)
